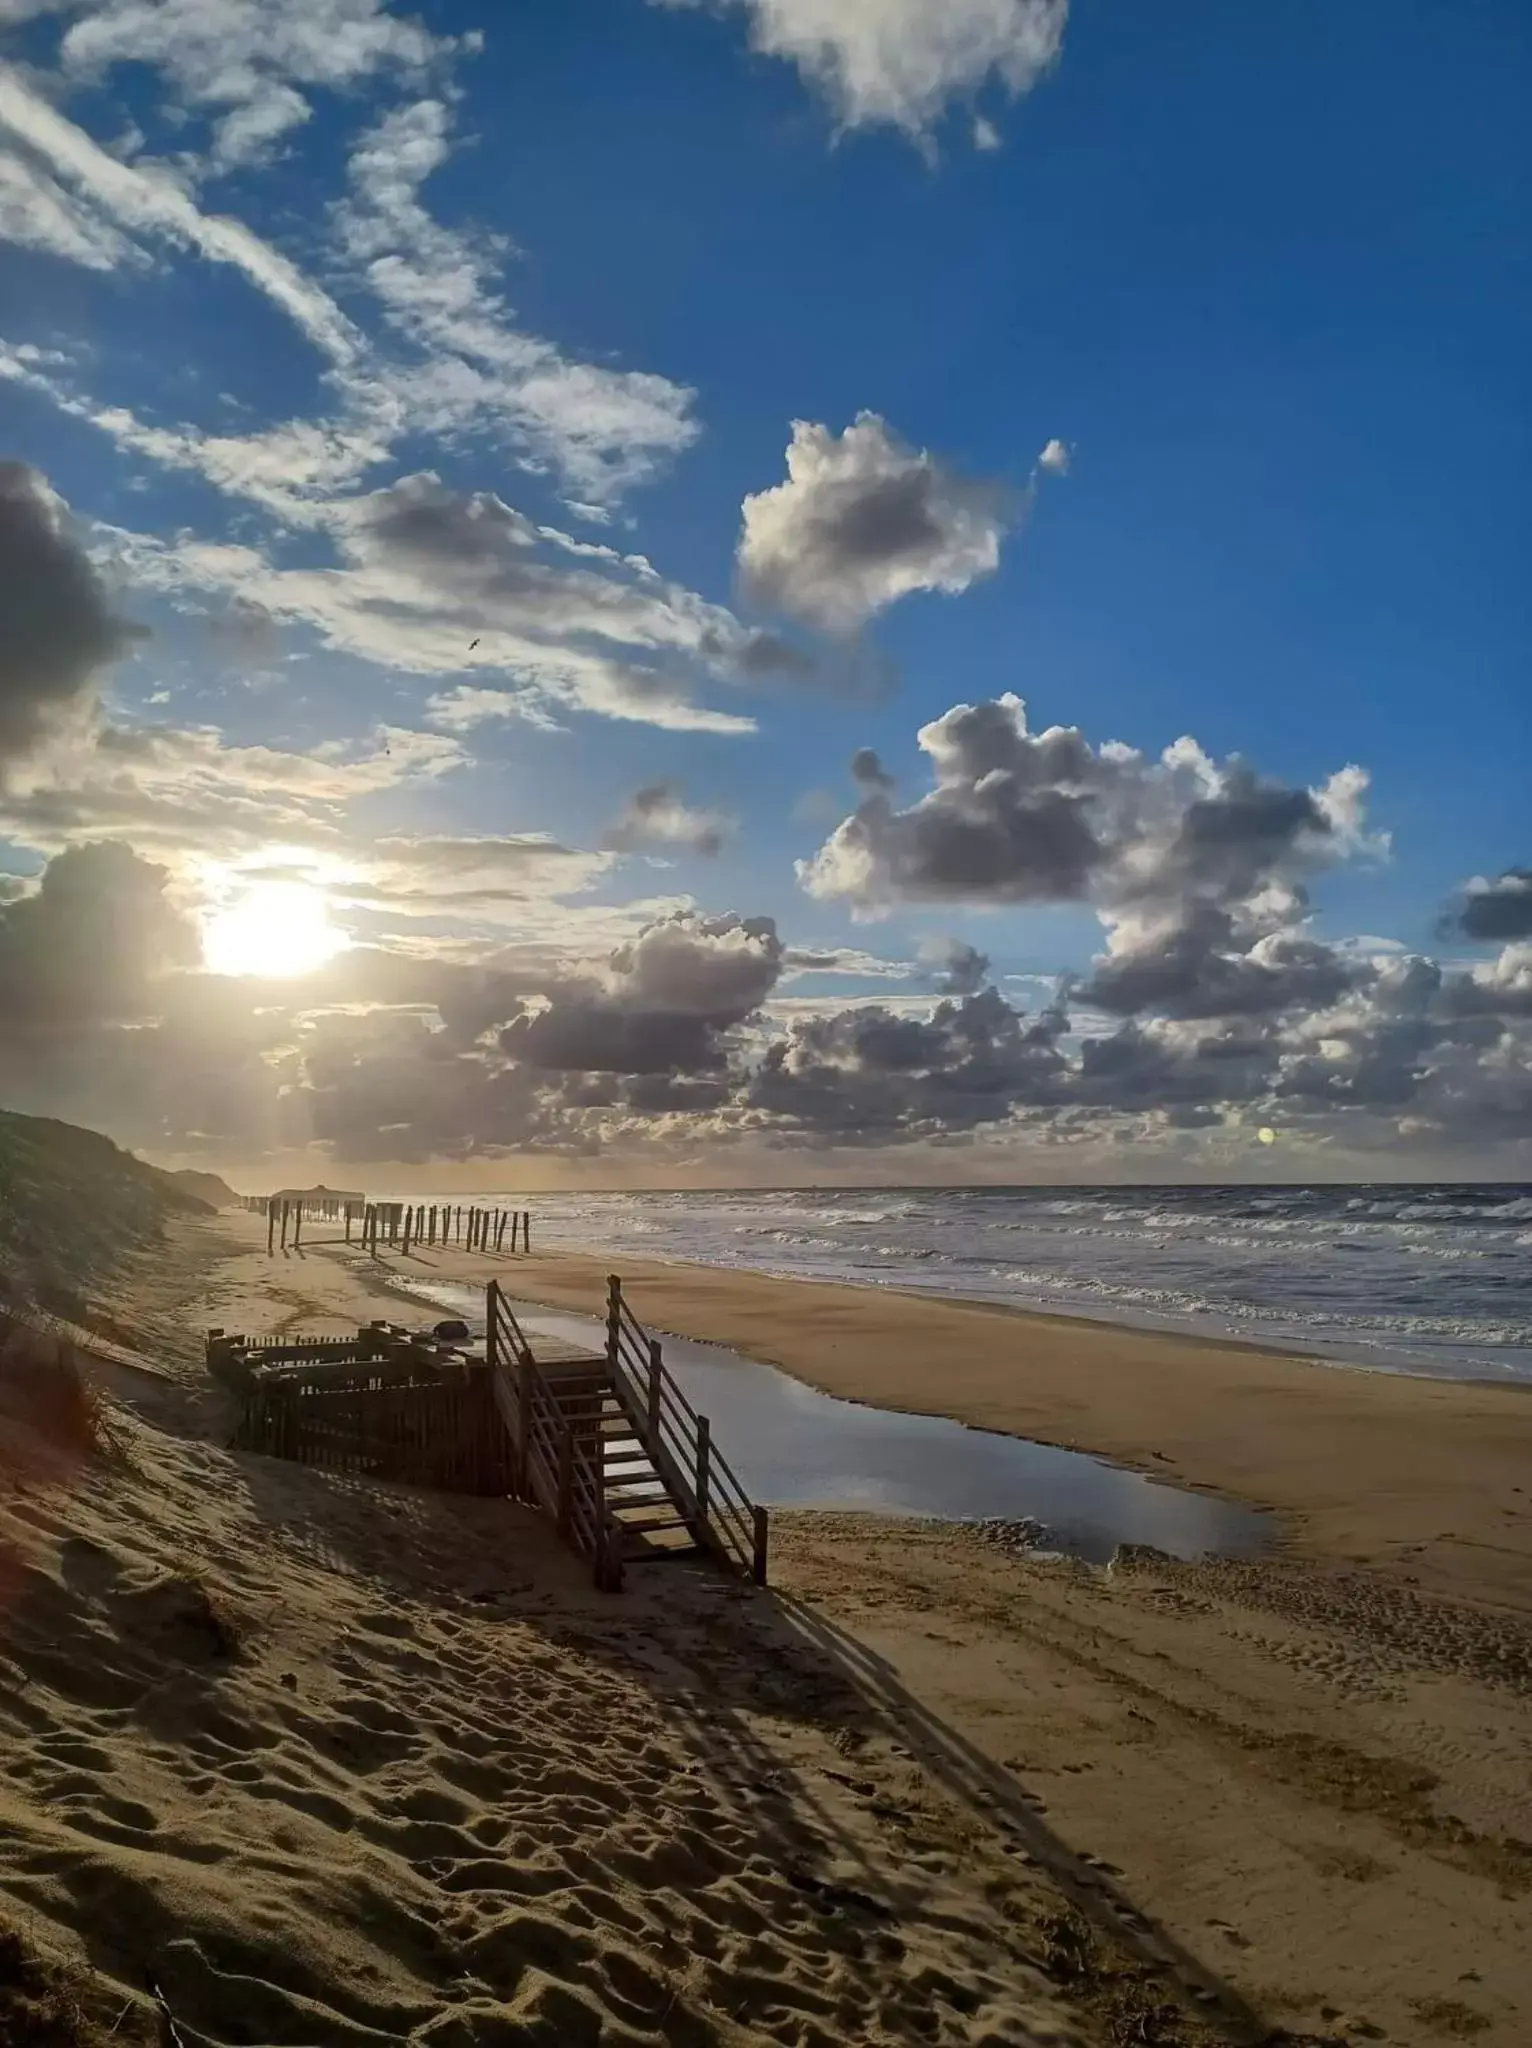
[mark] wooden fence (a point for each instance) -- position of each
(444, 1434)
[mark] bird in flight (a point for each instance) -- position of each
(472, 645)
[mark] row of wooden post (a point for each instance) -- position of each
(409, 1227)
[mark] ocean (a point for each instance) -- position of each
(1430, 1279)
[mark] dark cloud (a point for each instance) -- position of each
(657, 815)
(1195, 969)
(958, 968)
(57, 628)
(91, 943)
(1497, 909)
(868, 771)
(1022, 817)
(666, 1005)
(868, 1075)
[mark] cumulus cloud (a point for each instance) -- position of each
(869, 1075)
(666, 1004)
(57, 628)
(861, 521)
(900, 63)
(90, 943)
(657, 815)
(1055, 458)
(868, 772)
(1496, 908)
(1022, 817)
(957, 968)
(1199, 869)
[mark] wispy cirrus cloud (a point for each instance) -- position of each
(438, 583)
(247, 64)
(148, 205)
(603, 429)
(450, 361)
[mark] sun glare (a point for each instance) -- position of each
(274, 929)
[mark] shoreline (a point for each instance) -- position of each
(1427, 1480)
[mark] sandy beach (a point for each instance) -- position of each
(1426, 1481)
(415, 1780)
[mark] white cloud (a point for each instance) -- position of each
(148, 203)
(658, 815)
(1055, 458)
(437, 583)
(603, 430)
(36, 212)
(184, 794)
(466, 369)
(861, 521)
(248, 57)
(900, 63)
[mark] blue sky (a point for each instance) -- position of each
(1258, 278)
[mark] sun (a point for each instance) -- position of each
(272, 929)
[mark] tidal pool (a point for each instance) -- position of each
(792, 1446)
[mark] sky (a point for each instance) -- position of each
(708, 592)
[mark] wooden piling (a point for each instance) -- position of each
(271, 1227)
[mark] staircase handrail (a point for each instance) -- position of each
(550, 1446)
(665, 1421)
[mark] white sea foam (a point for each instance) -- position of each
(1417, 1278)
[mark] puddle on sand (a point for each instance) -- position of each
(792, 1446)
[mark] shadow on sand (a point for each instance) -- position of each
(724, 1661)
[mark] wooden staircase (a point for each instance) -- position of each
(608, 1444)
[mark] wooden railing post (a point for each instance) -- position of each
(704, 1467)
(613, 1318)
(492, 1325)
(566, 1480)
(762, 1532)
(524, 1448)
(656, 1377)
